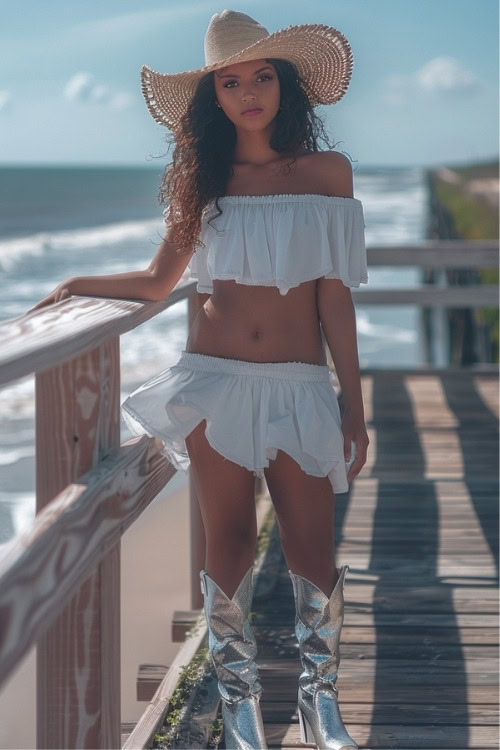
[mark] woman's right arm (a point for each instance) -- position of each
(153, 284)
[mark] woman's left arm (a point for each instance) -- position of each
(338, 320)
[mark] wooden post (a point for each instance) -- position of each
(197, 529)
(440, 342)
(78, 658)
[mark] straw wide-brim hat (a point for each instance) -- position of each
(321, 53)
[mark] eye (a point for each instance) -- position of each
(264, 75)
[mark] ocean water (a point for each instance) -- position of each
(57, 222)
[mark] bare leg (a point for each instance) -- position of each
(226, 495)
(305, 509)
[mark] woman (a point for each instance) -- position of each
(274, 237)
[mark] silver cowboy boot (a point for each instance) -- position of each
(318, 624)
(233, 648)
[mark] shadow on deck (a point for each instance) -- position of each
(419, 530)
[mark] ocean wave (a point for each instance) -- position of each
(19, 248)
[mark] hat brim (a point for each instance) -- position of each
(322, 54)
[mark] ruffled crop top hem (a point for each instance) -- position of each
(281, 240)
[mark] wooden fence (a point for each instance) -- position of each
(60, 579)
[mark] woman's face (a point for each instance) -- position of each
(248, 85)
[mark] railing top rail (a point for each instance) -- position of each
(37, 341)
(437, 254)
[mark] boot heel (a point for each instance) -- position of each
(306, 735)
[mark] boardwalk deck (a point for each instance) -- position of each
(419, 529)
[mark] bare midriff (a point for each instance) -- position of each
(258, 324)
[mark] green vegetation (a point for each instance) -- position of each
(475, 218)
(191, 676)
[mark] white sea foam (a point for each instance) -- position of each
(16, 249)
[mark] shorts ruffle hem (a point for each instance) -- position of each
(252, 410)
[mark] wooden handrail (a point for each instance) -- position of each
(437, 254)
(430, 295)
(39, 340)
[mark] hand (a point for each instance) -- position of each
(354, 429)
(62, 291)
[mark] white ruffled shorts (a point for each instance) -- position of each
(252, 409)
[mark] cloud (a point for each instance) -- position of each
(83, 87)
(99, 92)
(5, 97)
(446, 74)
(121, 101)
(78, 87)
(441, 75)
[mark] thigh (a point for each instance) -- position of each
(304, 504)
(225, 490)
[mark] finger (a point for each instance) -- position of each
(356, 467)
(347, 447)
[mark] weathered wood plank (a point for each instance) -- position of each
(430, 295)
(430, 637)
(437, 254)
(280, 712)
(396, 735)
(282, 687)
(413, 671)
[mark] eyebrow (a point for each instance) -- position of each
(232, 75)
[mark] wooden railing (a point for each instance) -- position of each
(60, 579)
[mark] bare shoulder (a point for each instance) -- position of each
(333, 171)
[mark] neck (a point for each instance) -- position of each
(252, 148)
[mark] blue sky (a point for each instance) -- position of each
(424, 89)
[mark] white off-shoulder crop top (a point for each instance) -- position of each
(280, 240)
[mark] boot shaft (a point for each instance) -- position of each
(318, 626)
(231, 641)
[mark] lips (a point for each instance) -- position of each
(253, 111)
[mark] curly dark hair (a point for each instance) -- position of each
(204, 148)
